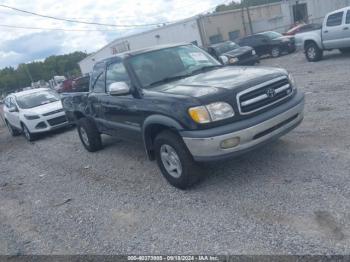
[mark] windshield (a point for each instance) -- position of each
(170, 63)
(37, 99)
(225, 47)
(272, 35)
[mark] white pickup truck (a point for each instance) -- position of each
(334, 34)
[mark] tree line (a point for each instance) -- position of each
(244, 3)
(12, 79)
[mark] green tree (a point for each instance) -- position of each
(238, 5)
(12, 79)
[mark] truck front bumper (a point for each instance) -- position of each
(206, 145)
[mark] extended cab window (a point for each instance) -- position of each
(116, 73)
(348, 17)
(335, 19)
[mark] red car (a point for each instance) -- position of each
(66, 86)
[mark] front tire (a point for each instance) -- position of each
(27, 134)
(175, 161)
(275, 52)
(313, 53)
(89, 135)
(13, 131)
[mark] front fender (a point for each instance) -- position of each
(314, 36)
(156, 123)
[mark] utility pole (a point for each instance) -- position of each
(248, 14)
(243, 20)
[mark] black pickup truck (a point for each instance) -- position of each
(184, 107)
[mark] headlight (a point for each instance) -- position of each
(199, 114)
(253, 52)
(224, 59)
(292, 81)
(233, 60)
(31, 117)
(212, 112)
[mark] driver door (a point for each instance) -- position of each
(121, 113)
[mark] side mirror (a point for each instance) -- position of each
(13, 109)
(224, 59)
(118, 89)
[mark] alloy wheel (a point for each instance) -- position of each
(311, 52)
(171, 160)
(84, 136)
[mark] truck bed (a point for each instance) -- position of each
(74, 102)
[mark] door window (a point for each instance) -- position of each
(99, 86)
(12, 102)
(335, 19)
(116, 73)
(348, 17)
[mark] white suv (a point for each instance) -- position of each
(33, 111)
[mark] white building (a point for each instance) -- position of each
(208, 29)
(183, 31)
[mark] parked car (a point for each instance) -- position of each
(269, 43)
(184, 107)
(302, 28)
(81, 84)
(33, 111)
(232, 54)
(65, 86)
(334, 34)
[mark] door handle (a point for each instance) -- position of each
(325, 31)
(346, 28)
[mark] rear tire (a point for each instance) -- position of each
(27, 134)
(313, 53)
(175, 161)
(89, 135)
(13, 131)
(345, 50)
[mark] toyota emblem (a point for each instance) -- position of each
(270, 92)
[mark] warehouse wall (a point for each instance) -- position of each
(317, 9)
(185, 31)
(224, 24)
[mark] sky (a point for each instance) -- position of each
(26, 45)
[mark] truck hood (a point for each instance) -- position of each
(238, 51)
(220, 80)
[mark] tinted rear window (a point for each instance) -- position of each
(335, 19)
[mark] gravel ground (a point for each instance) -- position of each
(291, 197)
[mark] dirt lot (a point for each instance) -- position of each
(291, 197)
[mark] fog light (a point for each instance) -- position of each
(229, 143)
(41, 125)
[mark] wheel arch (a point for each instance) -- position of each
(311, 41)
(152, 126)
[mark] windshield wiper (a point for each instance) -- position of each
(205, 68)
(177, 77)
(168, 79)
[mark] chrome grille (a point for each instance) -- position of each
(57, 121)
(263, 95)
(53, 112)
